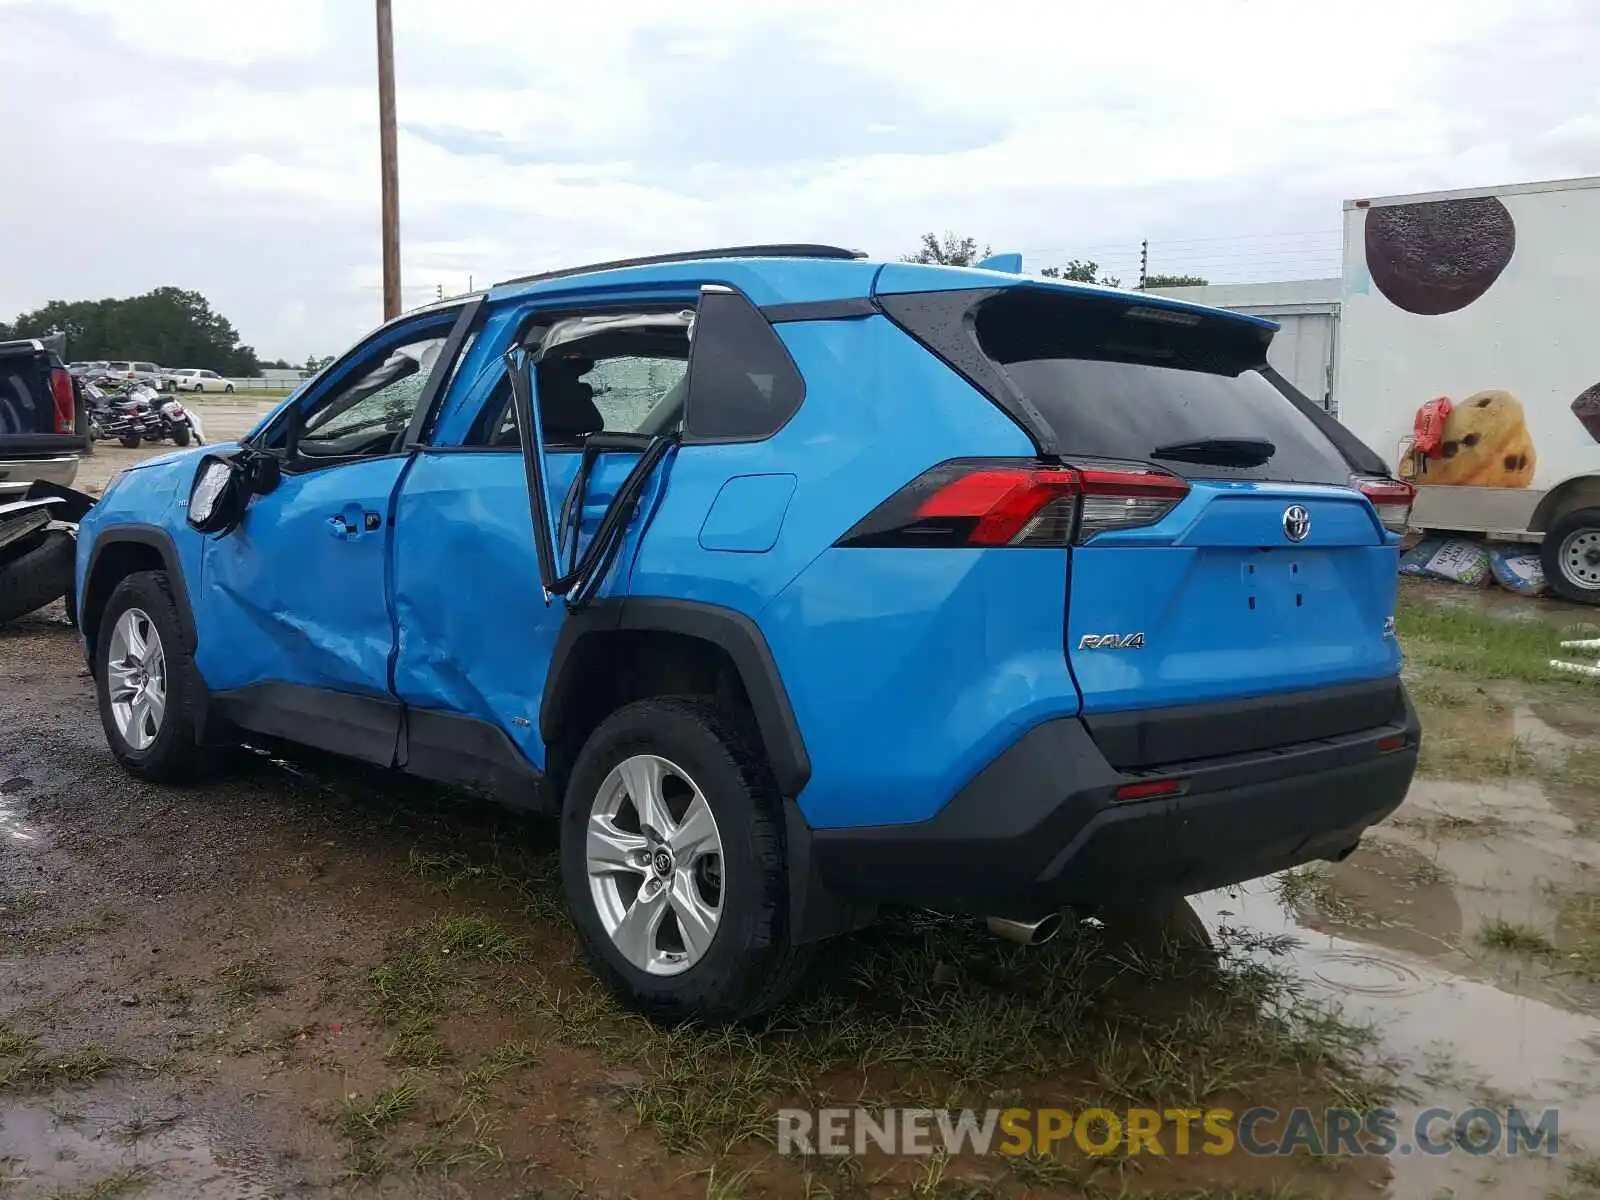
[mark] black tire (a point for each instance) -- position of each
(228, 389)
(750, 964)
(1171, 923)
(175, 754)
(35, 573)
(199, 387)
(131, 440)
(1565, 576)
(180, 435)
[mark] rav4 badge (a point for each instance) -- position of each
(1111, 641)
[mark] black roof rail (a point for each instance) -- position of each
(779, 250)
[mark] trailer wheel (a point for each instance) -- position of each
(1571, 556)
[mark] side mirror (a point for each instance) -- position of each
(261, 472)
(217, 496)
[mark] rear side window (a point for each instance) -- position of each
(743, 386)
(1118, 378)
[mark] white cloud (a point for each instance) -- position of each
(246, 144)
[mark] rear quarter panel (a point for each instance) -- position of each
(907, 670)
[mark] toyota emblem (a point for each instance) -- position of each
(1296, 523)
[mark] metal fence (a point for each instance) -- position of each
(260, 383)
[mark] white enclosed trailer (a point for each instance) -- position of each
(1488, 299)
(1307, 314)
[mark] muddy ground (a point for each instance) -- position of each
(303, 979)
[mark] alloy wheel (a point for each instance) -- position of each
(136, 677)
(654, 858)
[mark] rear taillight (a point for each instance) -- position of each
(1391, 497)
(1015, 502)
(61, 393)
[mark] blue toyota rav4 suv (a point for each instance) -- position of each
(797, 584)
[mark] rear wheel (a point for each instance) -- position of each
(131, 440)
(148, 686)
(673, 862)
(1571, 556)
(180, 435)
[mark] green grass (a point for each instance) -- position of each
(246, 982)
(1460, 640)
(1469, 758)
(425, 972)
(24, 1066)
(1424, 872)
(1585, 1172)
(1311, 888)
(362, 1120)
(919, 1010)
(126, 1182)
(475, 937)
(1579, 915)
(1442, 825)
(1514, 938)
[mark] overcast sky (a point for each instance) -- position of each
(231, 147)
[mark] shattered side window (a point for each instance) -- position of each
(385, 397)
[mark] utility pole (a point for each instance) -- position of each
(388, 153)
(1144, 261)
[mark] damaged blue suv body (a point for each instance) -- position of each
(797, 585)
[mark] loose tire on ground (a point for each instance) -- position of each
(35, 573)
(174, 755)
(1571, 556)
(750, 963)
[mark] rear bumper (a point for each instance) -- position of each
(1039, 829)
(17, 475)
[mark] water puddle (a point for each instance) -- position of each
(1458, 1042)
(15, 830)
(45, 1152)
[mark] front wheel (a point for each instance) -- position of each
(228, 389)
(149, 689)
(1571, 556)
(673, 862)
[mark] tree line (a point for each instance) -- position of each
(953, 250)
(169, 326)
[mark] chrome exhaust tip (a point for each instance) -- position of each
(1028, 933)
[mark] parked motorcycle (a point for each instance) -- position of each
(181, 424)
(122, 417)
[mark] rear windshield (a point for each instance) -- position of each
(1117, 378)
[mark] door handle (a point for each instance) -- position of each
(343, 527)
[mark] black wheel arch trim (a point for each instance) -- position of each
(726, 628)
(140, 535)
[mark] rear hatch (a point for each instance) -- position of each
(38, 409)
(1218, 550)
